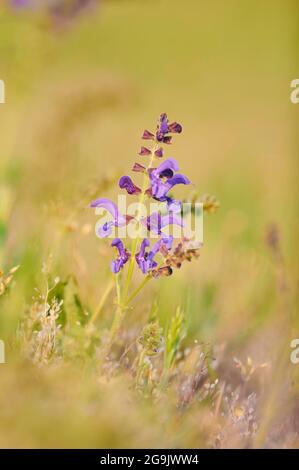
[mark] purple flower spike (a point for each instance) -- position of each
(144, 152)
(157, 184)
(126, 183)
(118, 219)
(124, 255)
(147, 135)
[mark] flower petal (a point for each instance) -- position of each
(124, 255)
(177, 179)
(105, 230)
(169, 164)
(125, 182)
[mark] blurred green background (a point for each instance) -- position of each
(77, 101)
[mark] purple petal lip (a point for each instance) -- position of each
(170, 163)
(108, 205)
(178, 179)
(125, 182)
(123, 256)
(118, 219)
(105, 230)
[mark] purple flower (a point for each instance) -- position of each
(126, 183)
(156, 222)
(118, 220)
(124, 255)
(163, 179)
(145, 260)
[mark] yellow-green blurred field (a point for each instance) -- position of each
(77, 101)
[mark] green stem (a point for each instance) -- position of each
(140, 367)
(139, 288)
(119, 311)
(117, 284)
(116, 324)
(102, 301)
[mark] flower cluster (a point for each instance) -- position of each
(158, 181)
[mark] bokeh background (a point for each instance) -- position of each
(78, 95)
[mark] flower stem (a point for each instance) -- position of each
(119, 313)
(102, 301)
(139, 288)
(116, 324)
